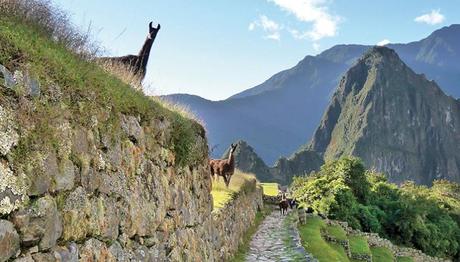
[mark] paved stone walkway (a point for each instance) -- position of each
(277, 239)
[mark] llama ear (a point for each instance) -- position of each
(150, 25)
(158, 27)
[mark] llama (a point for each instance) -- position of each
(137, 64)
(224, 167)
(283, 204)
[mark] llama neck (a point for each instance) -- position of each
(231, 159)
(145, 53)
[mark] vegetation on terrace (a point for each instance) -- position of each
(310, 233)
(409, 215)
(270, 189)
(239, 183)
(37, 37)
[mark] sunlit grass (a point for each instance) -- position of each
(381, 254)
(336, 231)
(270, 189)
(404, 259)
(358, 245)
(240, 182)
(310, 233)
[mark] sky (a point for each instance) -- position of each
(217, 48)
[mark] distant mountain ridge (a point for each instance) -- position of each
(281, 114)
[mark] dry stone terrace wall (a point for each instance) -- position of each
(108, 190)
(232, 221)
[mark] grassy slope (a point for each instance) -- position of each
(358, 245)
(336, 231)
(380, 254)
(316, 245)
(313, 242)
(87, 89)
(239, 182)
(270, 189)
(404, 259)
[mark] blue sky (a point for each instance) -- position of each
(216, 48)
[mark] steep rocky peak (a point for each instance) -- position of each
(380, 56)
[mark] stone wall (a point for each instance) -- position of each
(102, 185)
(272, 200)
(231, 222)
(105, 186)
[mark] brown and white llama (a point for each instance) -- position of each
(137, 64)
(223, 167)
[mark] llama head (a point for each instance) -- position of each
(233, 148)
(153, 31)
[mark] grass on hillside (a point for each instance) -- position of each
(240, 182)
(310, 233)
(87, 89)
(243, 248)
(336, 231)
(270, 189)
(404, 259)
(381, 254)
(358, 245)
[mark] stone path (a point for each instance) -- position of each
(277, 239)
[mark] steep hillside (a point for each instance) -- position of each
(282, 113)
(397, 121)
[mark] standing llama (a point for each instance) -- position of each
(137, 64)
(224, 167)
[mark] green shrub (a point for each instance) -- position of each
(410, 215)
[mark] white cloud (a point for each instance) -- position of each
(383, 42)
(316, 47)
(275, 36)
(270, 27)
(433, 18)
(311, 11)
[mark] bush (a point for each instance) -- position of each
(411, 215)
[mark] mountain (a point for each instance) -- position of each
(301, 163)
(279, 115)
(395, 120)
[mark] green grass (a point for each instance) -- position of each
(381, 254)
(404, 259)
(239, 183)
(358, 245)
(243, 248)
(310, 234)
(336, 231)
(270, 189)
(87, 90)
